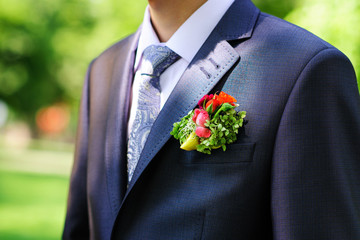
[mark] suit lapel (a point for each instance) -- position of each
(116, 129)
(209, 65)
(200, 77)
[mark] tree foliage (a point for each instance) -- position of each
(335, 21)
(46, 45)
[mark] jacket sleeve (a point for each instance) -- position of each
(76, 222)
(315, 182)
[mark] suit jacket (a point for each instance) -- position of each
(292, 174)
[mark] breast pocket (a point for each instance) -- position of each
(235, 153)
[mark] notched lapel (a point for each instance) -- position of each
(205, 71)
(210, 64)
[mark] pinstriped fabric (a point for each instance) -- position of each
(156, 60)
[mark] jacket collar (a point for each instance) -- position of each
(209, 65)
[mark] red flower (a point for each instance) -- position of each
(225, 98)
(203, 132)
(205, 98)
(196, 113)
(200, 117)
(212, 105)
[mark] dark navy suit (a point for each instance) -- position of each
(294, 172)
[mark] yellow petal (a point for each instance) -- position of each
(191, 142)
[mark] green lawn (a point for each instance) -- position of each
(33, 193)
(32, 206)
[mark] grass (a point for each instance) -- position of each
(33, 193)
(32, 206)
(36, 161)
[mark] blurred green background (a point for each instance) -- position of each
(45, 47)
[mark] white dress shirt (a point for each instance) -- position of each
(186, 42)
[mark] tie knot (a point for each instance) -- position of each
(158, 58)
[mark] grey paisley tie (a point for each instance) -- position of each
(157, 59)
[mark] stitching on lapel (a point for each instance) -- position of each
(145, 160)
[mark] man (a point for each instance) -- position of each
(293, 172)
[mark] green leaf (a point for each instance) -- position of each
(223, 125)
(224, 107)
(242, 114)
(183, 129)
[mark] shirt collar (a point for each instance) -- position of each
(191, 35)
(147, 37)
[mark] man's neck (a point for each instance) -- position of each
(168, 15)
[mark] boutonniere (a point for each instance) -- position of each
(212, 125)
